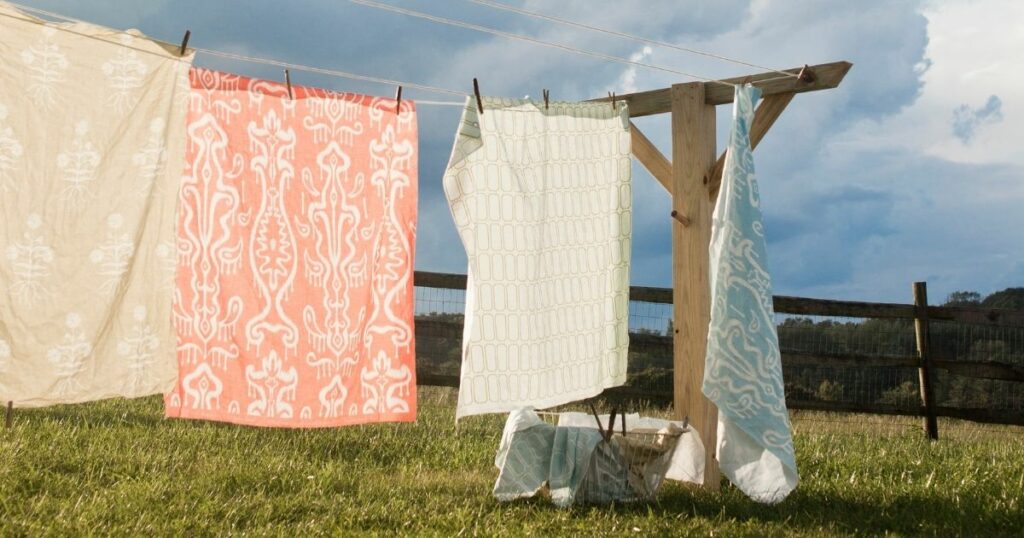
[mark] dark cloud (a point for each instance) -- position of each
(967, 120)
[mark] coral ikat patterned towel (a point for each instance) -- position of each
(296, 228)
(91, 146)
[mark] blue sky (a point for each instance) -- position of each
(911, 170)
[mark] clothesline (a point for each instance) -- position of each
(492, 31)
(536, 15)
(257, 60)
(372, 79)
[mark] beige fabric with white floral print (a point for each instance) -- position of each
(91, 149)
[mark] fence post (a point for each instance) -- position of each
(925, 370)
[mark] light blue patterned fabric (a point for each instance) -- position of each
(524, 456)
(575, 462)
(743, 370)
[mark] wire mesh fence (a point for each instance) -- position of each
(829, 362)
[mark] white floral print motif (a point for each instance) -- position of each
(10, 151)
(31, 261)
(114, 254)
(150, 159)
(78, 166)
(68, 357)
(46, 65)
(139, 348)
(271, 387)
(124, 75)
(385, 386)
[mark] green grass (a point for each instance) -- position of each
(118, 467)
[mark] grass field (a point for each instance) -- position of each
(118, 467)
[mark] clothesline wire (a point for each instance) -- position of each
(640, 39)
(509, 35)
(368, 78)
(252, 59)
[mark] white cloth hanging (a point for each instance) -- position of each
(743, 368)
(542, 202)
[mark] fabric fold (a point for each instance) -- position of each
(293, 304)
(92, 129)
(542, 202)
(743, 369)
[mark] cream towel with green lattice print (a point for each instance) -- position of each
(542, 202)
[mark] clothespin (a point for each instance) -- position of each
(680, 217)
(611, 95)
(479, 101)
(184, 42)
(748, 80)
(806, 74)
(547, 94)
(611, 425)
(288, 82)
(398, 100)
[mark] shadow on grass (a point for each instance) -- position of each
(815, 510)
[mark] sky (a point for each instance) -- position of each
(911, 170)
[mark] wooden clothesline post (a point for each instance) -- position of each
(692, 178)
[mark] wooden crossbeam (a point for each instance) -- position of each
(767, 112)
(653, 160)
(660, 101)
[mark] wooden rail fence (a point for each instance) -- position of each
(925, 360)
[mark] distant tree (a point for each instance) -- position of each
(963, 298)
(830, 391)
(1012, 298)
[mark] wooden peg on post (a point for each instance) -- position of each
(398, 100)
(806, 74)
(476, 92)
(184, 42)
(680, 217)
(288, 82)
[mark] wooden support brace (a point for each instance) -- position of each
(693, 152)
(645, 151)
(768, 111)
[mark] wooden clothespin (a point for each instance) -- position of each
(547, 94)
(184, 42)
(680, 217)
(611, 95)
(479, 101)
(748, 80)
(288, 82)
(806, 74)
(398, 100)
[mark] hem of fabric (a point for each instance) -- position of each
(553, 401)
(37, 402)
(742, 426)
(243, 420)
